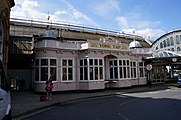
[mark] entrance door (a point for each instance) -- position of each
(113, 69)
(159, 74)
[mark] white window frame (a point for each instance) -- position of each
(39, 68)
(133, 76)
(84, 66)
(94, 66)
(122, 66)
(141, 67)
(73, 69)
(114, 66)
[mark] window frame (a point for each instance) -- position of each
(38, 67)
(67, 67)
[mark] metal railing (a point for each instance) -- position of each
(63, 25)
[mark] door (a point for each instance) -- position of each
(113, 69)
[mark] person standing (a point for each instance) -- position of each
(48, 88)
(149, 83)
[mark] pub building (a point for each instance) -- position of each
(107, 62)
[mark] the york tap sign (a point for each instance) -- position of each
(108, 46)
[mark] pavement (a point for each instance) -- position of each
(28, 102)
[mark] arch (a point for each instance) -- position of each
(178, 48)
(168, 42)
(177, 39)
(109, 57)
(171, 41)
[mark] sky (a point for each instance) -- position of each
(147, 18)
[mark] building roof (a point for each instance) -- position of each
(48, 34)
(171, 32)
(135, 44)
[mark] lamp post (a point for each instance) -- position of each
(149, 68)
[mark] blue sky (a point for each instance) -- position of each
(148, 18)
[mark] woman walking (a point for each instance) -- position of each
(48, 88)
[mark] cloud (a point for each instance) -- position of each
(27, 9)
(123, 22)
(32, 9)
(104, 7)
(148, 33)
(136, 21)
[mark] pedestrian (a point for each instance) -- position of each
(149, 83)
(48, 88)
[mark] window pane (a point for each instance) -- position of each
(116, 73)
(161, 45)
(90, 61)
(64, 62)
(53, 62)
(124, 62)
(81, 73)
(81, 62)
(125, 73)
(85, 73)
(44, 62)
(134, 72)
(70, 74)
(64, 71)
(171, 39)
(164, 43)
(110, 63)
(70, 63)
(134, 64)
(44, 73)
(128, 62)
(91, 73)
(141, 72)
(101, 72)
(111, 73)
(120, 62)
(53, 73)
(96, 73)
(115, 62)
(95, 61)
(120, 72)
(100, 62)
(85, 62)
(128, 72)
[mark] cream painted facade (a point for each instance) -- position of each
(88, 65)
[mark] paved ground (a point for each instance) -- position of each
(27, 102)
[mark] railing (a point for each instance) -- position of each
(142, 51)
(44, 23)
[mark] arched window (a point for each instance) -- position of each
(165, 43)
(172, 49)
(171, 41)
(178, 48)
(177, 39)
(161, 45)
(157, 48)
(168, 42)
